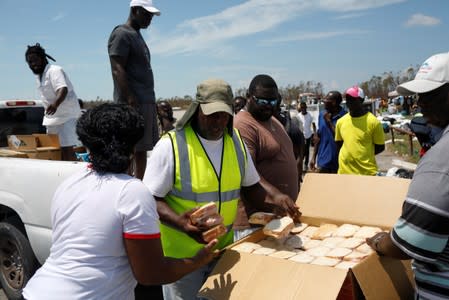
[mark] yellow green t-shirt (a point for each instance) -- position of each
(359, 135)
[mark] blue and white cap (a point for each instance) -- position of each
(432, 74)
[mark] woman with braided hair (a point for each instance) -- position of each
(61, 103)
(106, 235)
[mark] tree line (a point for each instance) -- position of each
(378, 86)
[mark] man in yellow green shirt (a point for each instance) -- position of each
(359, 136)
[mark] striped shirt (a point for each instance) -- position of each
(422, 231)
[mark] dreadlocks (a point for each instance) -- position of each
(38, 50)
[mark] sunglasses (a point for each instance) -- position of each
(260, 101)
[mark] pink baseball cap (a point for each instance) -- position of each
(355, 92)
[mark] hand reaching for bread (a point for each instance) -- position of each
(284, 205)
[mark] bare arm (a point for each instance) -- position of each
(316, 145)
(147, 260)
(118, 66)
(181, 222)
(60, 97)
(383, 245)
(277, 203)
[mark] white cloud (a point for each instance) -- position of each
(58, 17)
(421, 20)
(349, 16)
(355, 5)
(301, 36)
(251, 17)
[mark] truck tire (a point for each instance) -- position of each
(17, 261)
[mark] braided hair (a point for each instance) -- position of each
(38, 50)
(110, 133)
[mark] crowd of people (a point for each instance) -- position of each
(126, 220)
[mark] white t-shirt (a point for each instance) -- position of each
(306, 121)
(159, 172)
(54, 78)
(91, 214)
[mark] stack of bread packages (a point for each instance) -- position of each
(207, 217)
(330, 245)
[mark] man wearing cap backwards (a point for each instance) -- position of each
(359, 136)
(422, 231)
(133, 76)
(203, 160)
(269, 145)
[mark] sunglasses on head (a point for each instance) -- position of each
(260, 101)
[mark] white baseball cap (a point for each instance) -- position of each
(432, 74)
(147, 4)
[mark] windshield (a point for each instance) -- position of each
(23, 120)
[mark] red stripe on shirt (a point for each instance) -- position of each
(133, 236)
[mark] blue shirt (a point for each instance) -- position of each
(327, 156)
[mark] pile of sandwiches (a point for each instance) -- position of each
(207, 217)
(330, 245)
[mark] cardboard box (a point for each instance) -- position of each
(37, 146)
(338, 199)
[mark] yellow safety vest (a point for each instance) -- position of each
(196, 183)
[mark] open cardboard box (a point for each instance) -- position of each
(38, 146)
(330, 198)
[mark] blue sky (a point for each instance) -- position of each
(336, 42)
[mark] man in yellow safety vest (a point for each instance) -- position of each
(204, 160)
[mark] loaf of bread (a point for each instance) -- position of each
(210, 221)
(318, 251)
(284, 254)
(279, 228)
(302, 257)
(261, 218)
(346, 230)
(338, 253)
(325, 261)
(364, 248)
(246, 247)
(355, 256)
(332, 241)
(214, 232)
(324, 231)
(299, 227)
(351, 243)
(309, 231)
(366, 232)
(203, 213)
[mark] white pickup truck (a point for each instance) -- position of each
(26, 189)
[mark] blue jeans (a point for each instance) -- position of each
(188, 286)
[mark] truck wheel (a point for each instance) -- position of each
(17, 261)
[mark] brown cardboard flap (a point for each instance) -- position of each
(22, 142)
(246, 276)
(353, 198)
(383, 278)
(47, 140)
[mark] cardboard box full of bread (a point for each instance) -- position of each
(325, 256)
